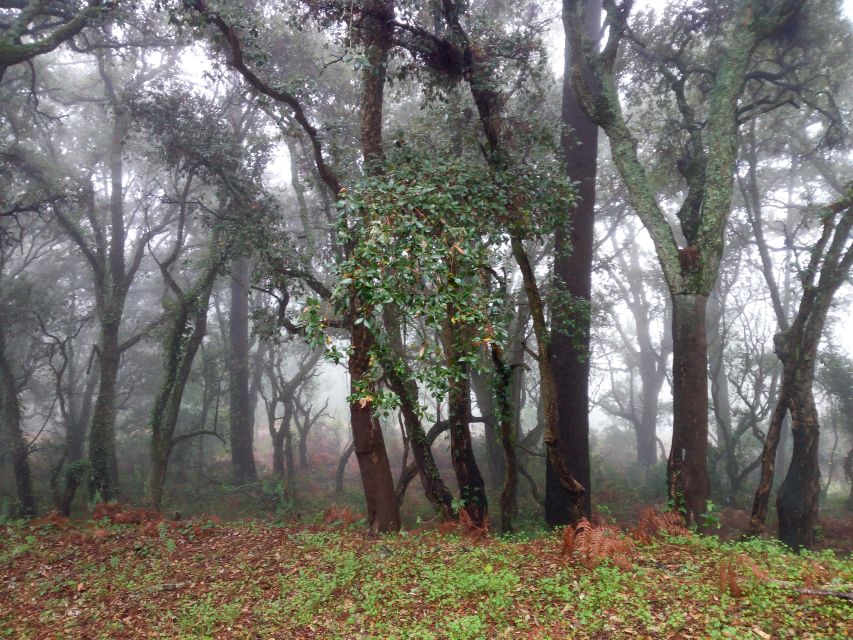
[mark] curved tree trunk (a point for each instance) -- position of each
(761, 501)
(181, 352)
(797, 501)
(830, 261)
(404, 386)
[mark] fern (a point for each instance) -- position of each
(593, 544)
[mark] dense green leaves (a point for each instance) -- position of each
(426, 237)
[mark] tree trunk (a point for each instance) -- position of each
(110, 300)
(687, 467)
(103, 479)
(406, 389)
(289, 463)
(555, 447)
(342, 467)
(181, 351)
(368, 442)
(278, 465)
(472, 488)
(242, 422)
(797, 501)
(647, 455)
(484, 395)
(506, 416)
(303, 450)
(727, 442)
(570, 333)
(75, 440)
(13, 434)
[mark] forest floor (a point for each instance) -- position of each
(205, 579)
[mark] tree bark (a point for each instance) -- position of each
(110, 301)
(708, 167)
(13, 434)
(570, 333)
(187, 332)
(797, 501)
(472, 488)
(303, 451)
(506, 416)
(278, 465)
(242, 422)
(75, 441)
(484, 396)
(830, 261)
(342, 467)
(687, 467)
(103, 479)
(368, 442)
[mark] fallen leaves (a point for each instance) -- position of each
(199, 578)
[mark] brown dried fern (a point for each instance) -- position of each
(651, 523)
(728, 578)
(594, 544)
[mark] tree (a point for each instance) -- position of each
(829, 262)
(642, 351)
(285, 391)
(570, 331)
(706, 151)
(16, 298)
(29, 29)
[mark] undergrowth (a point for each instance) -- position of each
(128, 574)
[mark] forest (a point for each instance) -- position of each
(440, 319)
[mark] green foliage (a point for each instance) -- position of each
(711, 518)
(199, 618)
(426, 237)
(260, 580)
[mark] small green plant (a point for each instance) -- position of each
(467, 628)
(711, 517)
(606, 512)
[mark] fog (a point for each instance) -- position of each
(256, 261)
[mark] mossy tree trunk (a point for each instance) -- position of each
(690, 269)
